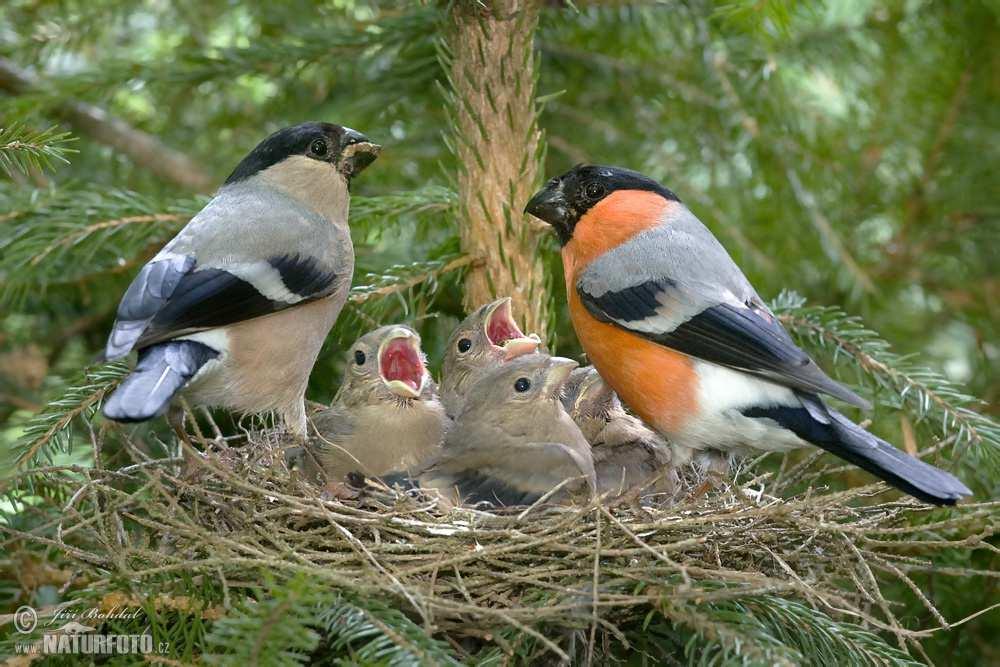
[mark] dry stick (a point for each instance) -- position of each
(595, 583)
(492, 572)
(360, 547)
(886, 565)
(656, 554)
(879, 598)
(551, 492)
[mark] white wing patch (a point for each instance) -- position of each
(265, 279)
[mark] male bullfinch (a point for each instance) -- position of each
(232, 312)
(673, 325)
(484, 340)
(386, 415)
(513, 442)
(628, 456)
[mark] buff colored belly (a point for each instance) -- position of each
(655, 382)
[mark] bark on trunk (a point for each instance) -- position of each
(497, 142)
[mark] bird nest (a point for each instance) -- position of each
(568, 578)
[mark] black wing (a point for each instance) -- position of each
(746, 338)
(173, 296)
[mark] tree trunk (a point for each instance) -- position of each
(498, 146)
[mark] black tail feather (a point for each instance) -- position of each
(832, 431)
(897, 468)
(161, 372)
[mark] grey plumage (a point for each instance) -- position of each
(162, 369)
(683, 289)
(628, 456)
(268, 260)
(485, 339)
(707, 364)
(512, 441)
(386, 415)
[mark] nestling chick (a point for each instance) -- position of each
(677, 330)
(232, 312)
(484, 340)
(513, 442)
(628, 456)
(385, 416)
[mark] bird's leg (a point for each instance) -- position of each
(176, 417)
(716, 466)
(219, 439)
(298, 427)
(342, 490)
(296, 424)
(295, 421)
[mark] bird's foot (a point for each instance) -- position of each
(339, 491)
(349, 488)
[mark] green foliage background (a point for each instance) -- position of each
(845, 149)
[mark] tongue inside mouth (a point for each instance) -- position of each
(401, 367)
(504, 333)
(501, 327)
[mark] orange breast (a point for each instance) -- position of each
(655, 382)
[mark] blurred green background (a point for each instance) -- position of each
(845, 149)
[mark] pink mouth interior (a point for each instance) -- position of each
(399, 361)
(501, 327)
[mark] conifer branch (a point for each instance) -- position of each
(50, 430)
(72, 234)
(64, 236)
(141, 147)
(781, 631)
(290, 51)
(23, 149)
(398, 279)
(924, 393)
(276, 629)
(371, 631)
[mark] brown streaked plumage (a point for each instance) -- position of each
(386, 415)
(629, 458)
(513, 442)
(485, 339)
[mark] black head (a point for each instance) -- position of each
(567, 198)
(347, 150)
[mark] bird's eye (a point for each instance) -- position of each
(553, 182)
(318, 148)
(522, 385)
(594, 190)
(464, 345)
(359, 357)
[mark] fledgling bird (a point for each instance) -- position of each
(628, 456)
(386, 415)
(232, 312)
(513, 442)
(484, 340)
(673, 325)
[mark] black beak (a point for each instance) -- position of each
(549, 205)
(356, 152)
